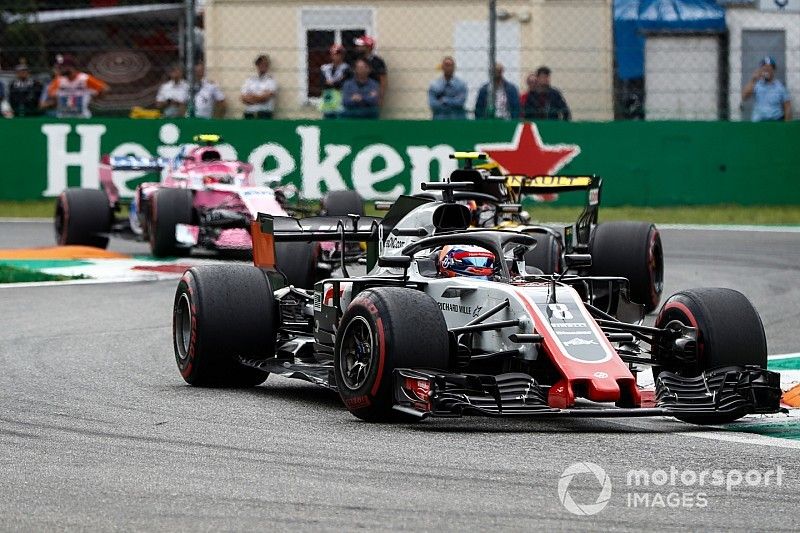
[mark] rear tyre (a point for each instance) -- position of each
(298, 262)
(632, 250)
(386, 328)
(168, 207)
(221, 313)
(546, 255)
(83, 217)
(341, 203)
(729, 334)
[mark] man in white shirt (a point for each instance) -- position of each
(258, 92)
(209, 101)
(173, 94)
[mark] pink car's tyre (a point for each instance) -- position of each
(83, 217)
(168, 207)
(341, 203)
(222, 313)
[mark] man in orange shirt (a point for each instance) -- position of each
(71, 91)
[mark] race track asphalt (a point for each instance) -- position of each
(99, 432)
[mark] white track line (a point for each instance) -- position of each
(732, 227)
(82, 282)
(14, 220)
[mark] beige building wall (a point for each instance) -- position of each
(573, 37)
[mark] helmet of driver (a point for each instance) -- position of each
(466, 260)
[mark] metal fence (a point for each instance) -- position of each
(610, 59)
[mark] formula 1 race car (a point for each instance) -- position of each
(629, 249)
(451, 321)
(202, 201)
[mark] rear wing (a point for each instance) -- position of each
(519, 186)
(266, 230)
(109, 164)
(129, 162)
(550, 184)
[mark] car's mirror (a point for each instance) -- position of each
(395, 261)
(574, 261)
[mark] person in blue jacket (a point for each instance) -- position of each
(446, 95)
(361, 95)
(506, 98)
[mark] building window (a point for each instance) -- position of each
(321, 28)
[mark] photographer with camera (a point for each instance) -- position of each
(772, 100)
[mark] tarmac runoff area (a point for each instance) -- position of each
(98, 430)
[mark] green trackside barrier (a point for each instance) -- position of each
(642, 163)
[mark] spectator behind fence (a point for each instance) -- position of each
(772, 100)
(542, 101)
(361, 94)
(24, 93)
(259, 91)
(173, 94)
(5, 109)
(446, 95)
(365, 46)
(209, 100)
(71, 91)
(506, 98)
(334, 74)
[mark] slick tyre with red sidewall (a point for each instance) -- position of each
(632, 250)
(546, 255)
(382, 329)
(222, 313)
(729, 329)
(83, 217)
(169, 207)
(729, 334)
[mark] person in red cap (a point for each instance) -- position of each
(71, 91)
(333, 76)
(365, 46)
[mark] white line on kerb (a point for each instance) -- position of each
(779, 356)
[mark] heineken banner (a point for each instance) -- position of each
(642, 163)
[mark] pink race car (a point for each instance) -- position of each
(202, 201)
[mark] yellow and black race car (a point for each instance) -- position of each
(628, 249)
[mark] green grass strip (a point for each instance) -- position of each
(9, 274)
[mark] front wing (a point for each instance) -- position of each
(720, 393)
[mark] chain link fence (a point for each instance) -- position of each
(610, 59)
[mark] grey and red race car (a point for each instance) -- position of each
(202, 201)
(451, 321)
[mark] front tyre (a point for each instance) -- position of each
(222, 313)
(168, 207)
(729, 334)
(386, 328)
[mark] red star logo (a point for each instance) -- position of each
(526, 154)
